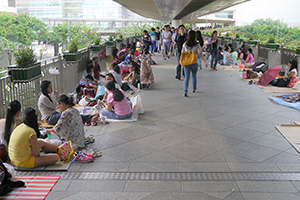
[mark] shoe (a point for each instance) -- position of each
(177, 77)
(165, 58)
(94, 119)
(169, 57)
(82, 159)
(87, 154)
(215, 69)
(87, 123)
(185, 95)
(194, 91)
(211, 69)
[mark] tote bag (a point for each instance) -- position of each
(188, 58)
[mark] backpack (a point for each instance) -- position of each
(260, 67)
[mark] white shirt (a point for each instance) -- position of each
(166, 34)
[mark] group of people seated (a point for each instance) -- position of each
(231, 57)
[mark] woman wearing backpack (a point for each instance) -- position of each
(191, 45)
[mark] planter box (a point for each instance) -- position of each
(27, 74)
(135, 37)
(110, 43)
(221, 37)
(72, 57)
(252, 42)
(238, 40)
(119, 40)
(228, 38)
(96, 48)
(298, 51)
(272, 46)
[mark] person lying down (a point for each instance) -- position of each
(292, 98)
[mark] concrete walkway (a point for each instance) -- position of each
(219, 143)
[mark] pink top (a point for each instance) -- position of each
(251, 59)
(121, 107)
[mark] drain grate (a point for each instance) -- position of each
(173, 176)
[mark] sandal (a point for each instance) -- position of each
(87, 124)
(94, 123)
(97, 152)
(89, 139)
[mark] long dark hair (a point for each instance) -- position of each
(250, 51)
(30, 119)
(117, 94)
(13, 108)
(212, 35)
(191, 40)
(200, 38)
(294, 65)
(44, 87)
(112, 76)
(66, 100)
(116, 67)
(136, 67)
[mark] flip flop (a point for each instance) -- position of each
(97, 152)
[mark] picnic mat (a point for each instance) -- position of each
(137, 108)
(250, 79)
(274, 89)
(58, 166)
(228, 68)
(284, 103)
(291, 134)
(36, 187)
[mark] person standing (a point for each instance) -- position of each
(179, 41)
(147, 42)
(214, 42)
(191, 45)
(158, 43)
(166, 36)
(153, 41)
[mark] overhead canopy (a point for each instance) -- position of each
(185, 10)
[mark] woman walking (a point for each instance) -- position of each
(214, 42)
(191, 45)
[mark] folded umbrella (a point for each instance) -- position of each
(269, 75)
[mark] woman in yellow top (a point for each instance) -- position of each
(24, 147)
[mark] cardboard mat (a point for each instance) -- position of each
(36, 187)
(228, 68)
(59, 166)
(274, 89)
(291, 134)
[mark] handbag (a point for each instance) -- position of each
(65, 151)
(292, 82)
(188, 58)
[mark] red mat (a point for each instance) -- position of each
(36, 187)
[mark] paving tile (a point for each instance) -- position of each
(160, 126)
(252, 151)
(253, 167)
(217, 157)
(234, 196)
(159, 157)
(270, 196)
(267, 186)
(128, 151)
(97, 185)
(55, 194)
(95, 196)
(258, 126)
(180, 196)
(108, 140)
(209, 186)
(62, 185)
(153, 167)
(152, 186)
(134, 195)
(105, 167)
(284, 158)
(203, 167)
(271, 141)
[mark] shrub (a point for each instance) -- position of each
(73, 48)
(271, 39)
(24, 57)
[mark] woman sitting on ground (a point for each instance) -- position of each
(11, 122)
(134, 74)
(116, 99)
(47, 105)
(249, 62)
(69, 126)
(227, 60)
(292, 72)
(24, 147)
(110, 77)
(116, 72)
(240, 54)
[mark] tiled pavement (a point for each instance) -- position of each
(226, 126)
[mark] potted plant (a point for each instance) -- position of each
(298, 51)
(238, 38)
(228, 38)
(96, 46)
(252, 40)
(220, 36)
(110, 41)
(73, 55)
(26, 68)
(271, 45)
(120, 38)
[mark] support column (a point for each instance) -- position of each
(194, 26)
(176, 23)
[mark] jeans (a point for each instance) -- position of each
(153, 46)
(178, 68)
(229, 62)
(53, 119)
(187, 70)
(113, 115)
(199, 58)
(214, 57)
